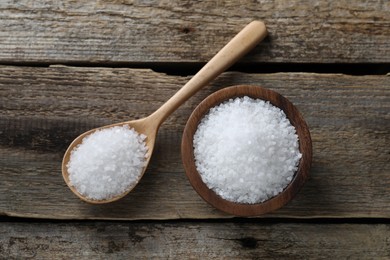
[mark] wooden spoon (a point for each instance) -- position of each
(305, 147)
(241, 44)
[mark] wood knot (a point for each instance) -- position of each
(248, 242)
(187, 30)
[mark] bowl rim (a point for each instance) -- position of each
(295, 118)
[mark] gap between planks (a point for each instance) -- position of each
(190, 68)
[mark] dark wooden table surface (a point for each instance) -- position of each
(69, 66)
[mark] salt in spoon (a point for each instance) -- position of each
(241, 44)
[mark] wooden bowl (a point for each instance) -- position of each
(305, 147)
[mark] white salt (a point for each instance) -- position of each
(108, 162)
(246, 150)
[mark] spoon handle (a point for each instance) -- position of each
(240, 45)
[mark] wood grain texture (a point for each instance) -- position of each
(191, 31)
(43, 109)
(186, 240)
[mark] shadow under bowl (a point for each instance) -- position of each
(295, 118)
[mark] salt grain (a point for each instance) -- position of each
(108, 162)
(246, 150)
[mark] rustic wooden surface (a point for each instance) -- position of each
(43, 109)
(342, 212)
(188, 240)
(126, 31)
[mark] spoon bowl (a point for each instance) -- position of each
(140, 127)
(295, 118)
(241, 44)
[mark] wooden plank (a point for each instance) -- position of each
(186, 240)
(43, 109)
(186, 31)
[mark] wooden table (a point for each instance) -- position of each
(69, 66)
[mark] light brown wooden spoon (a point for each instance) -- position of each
(305, 147)
(241, 44)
